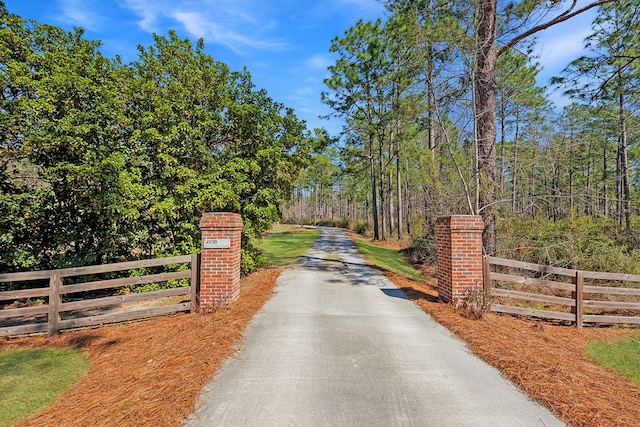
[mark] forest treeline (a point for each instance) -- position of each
(102, 161)
(408, 88)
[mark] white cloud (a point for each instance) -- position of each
(304, 92)
(236, 24)
(80, 13)
(557, 52)
(319, 62)
(562, 43)
(201, 26)
(148, 12)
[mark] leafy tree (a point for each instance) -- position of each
(101, 161)
(63, 109)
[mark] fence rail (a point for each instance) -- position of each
(78, 312)
(560, 300)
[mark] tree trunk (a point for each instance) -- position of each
(374, 200)
(431, 98)
(605, 187)
(399, 185)
(624, 161)
(390, 199)
(408, 199)
(588, 210)
(383, 230)
(485, 111)
(619, 186)
(315, 202)
(503, 143)
(571, 195)
(514, 166)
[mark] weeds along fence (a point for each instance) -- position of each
(556, 293)
(88, 299)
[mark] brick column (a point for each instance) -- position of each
(220, 260)
(459, 239)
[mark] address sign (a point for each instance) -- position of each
(217, 243)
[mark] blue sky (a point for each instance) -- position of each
(283, 43)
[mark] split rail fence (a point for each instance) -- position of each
(65, 312)
(560, 293)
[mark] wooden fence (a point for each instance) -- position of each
(77, 311)
(560, 292)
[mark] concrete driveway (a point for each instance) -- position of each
(340, 345)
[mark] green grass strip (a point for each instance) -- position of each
(31, 378)
(287, 244)
(620, 356)
(388, 259)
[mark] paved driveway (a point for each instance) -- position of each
(340, 345)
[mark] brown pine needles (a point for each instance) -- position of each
(547, 361)
(150, 373)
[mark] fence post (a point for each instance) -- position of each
(55, 283)
(578, 297)
(195, 281)
(459, 241)
(219, 260)
(486, 280)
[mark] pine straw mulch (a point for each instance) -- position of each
(149, 373)
(547, 361)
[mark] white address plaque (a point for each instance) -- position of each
(217, 243)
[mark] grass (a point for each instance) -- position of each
(621, 356)
(286, 228)
(31, 378)
(388, 259)
(287, 243)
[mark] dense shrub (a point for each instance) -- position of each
(360, 227)
(423, 250)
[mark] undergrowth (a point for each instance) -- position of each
(583, 243)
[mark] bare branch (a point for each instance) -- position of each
(564, 16)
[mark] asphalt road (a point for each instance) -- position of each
(340, 345)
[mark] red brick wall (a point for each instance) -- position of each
(219, 268)
(459, 239)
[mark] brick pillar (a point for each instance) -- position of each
(459, 239)
(220, 259)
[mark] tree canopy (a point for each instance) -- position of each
(444, 114)
(102, 161)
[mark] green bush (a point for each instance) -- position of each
(251, 259)
(360, 227)
(423, 251)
